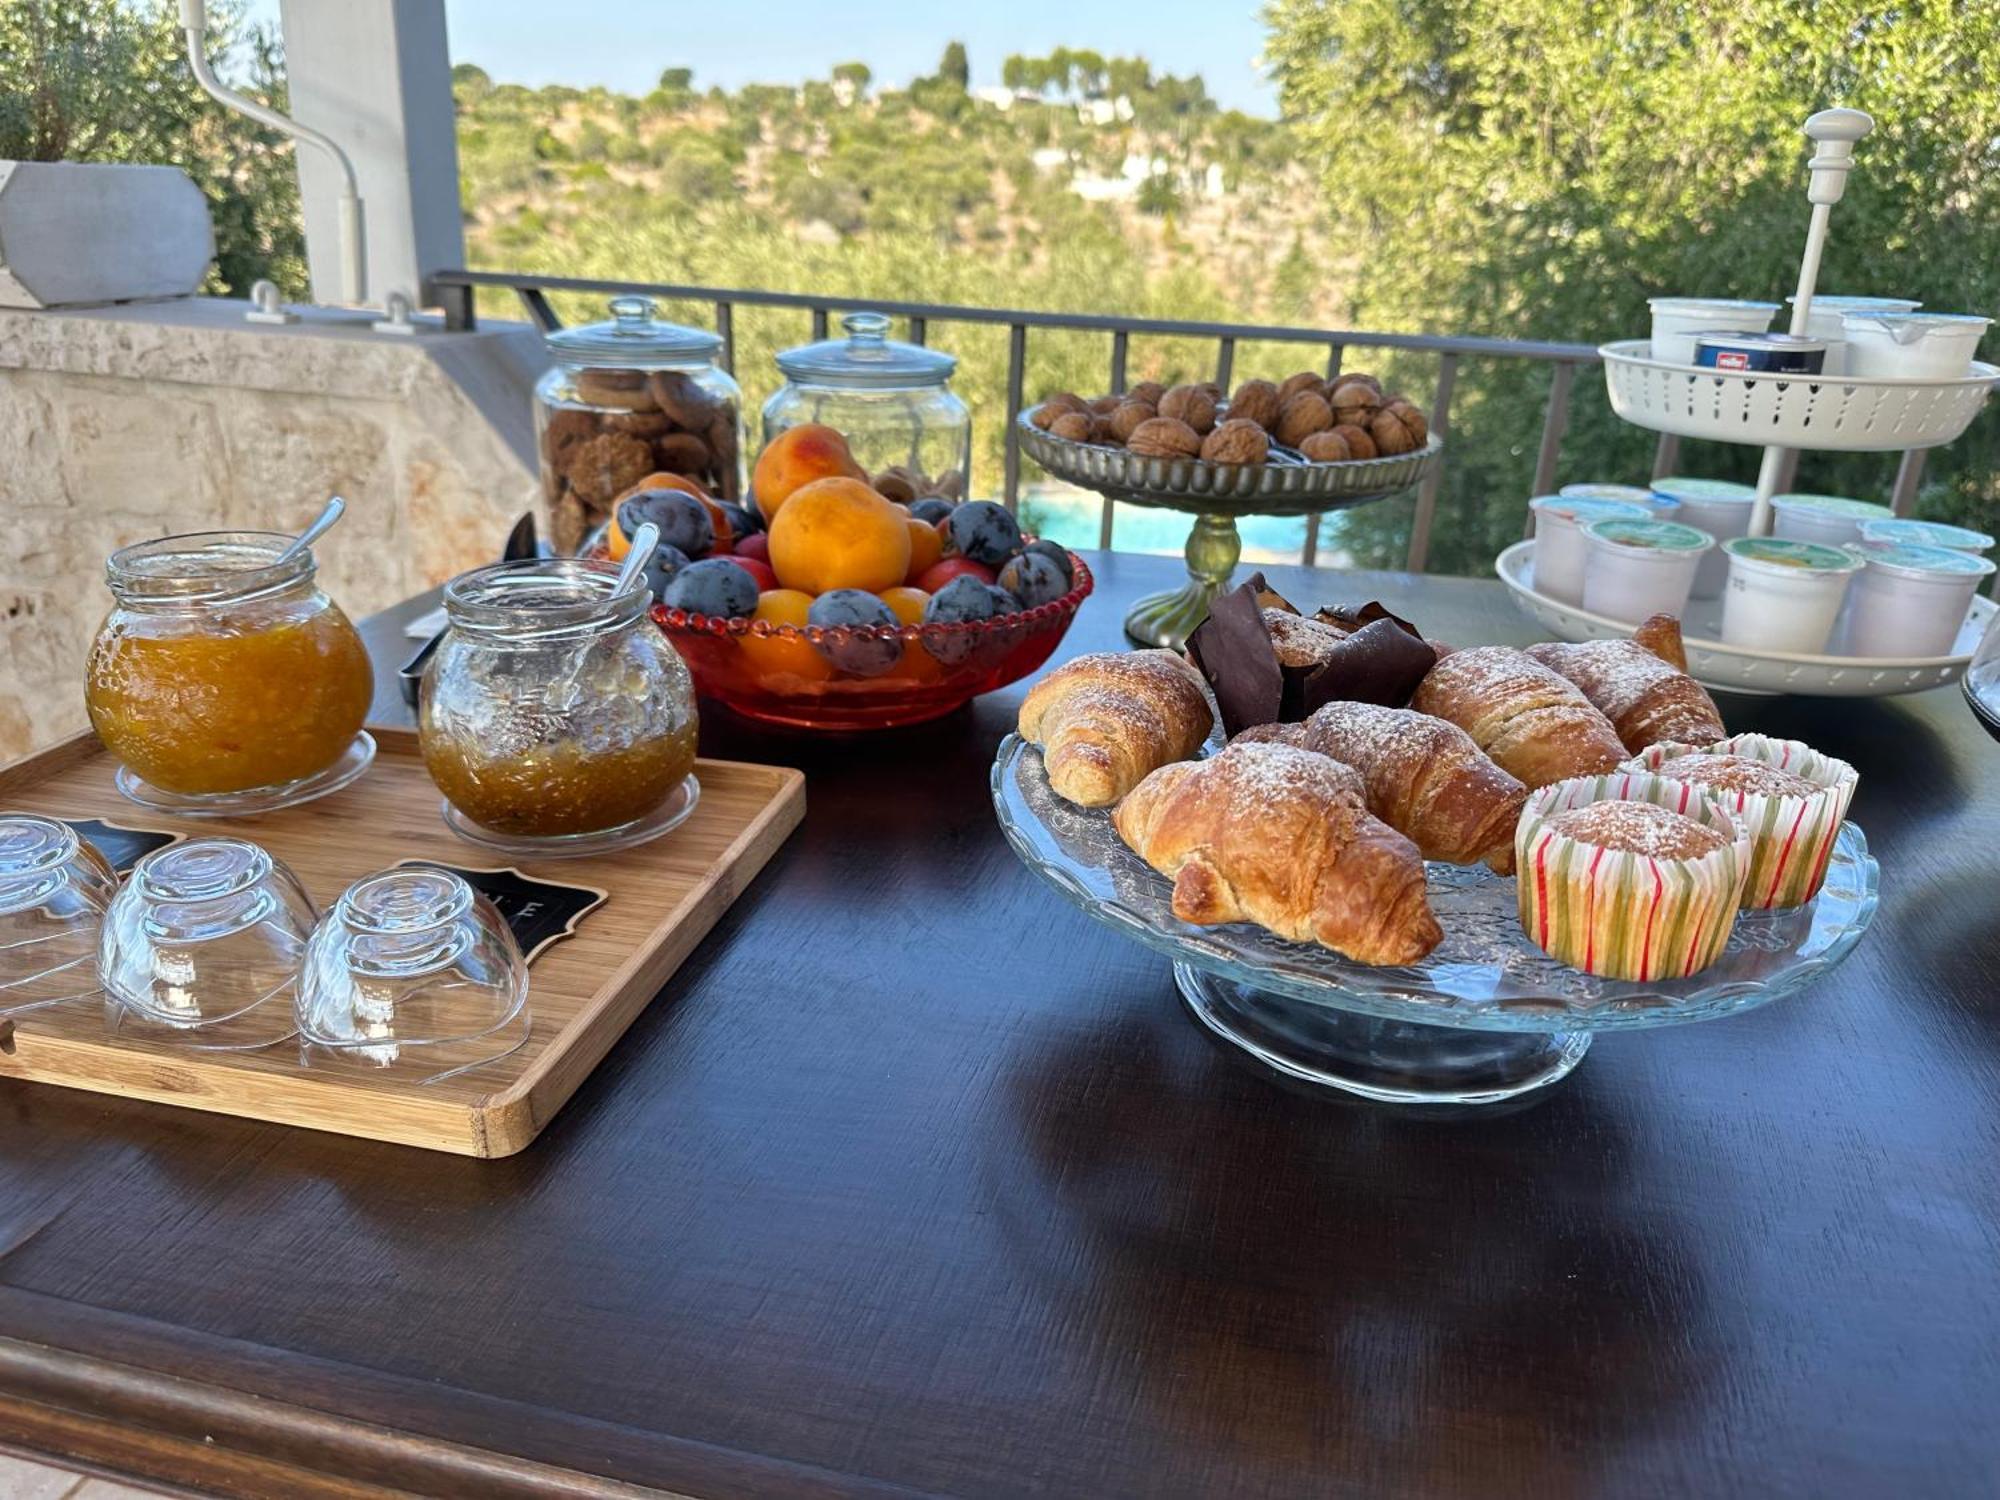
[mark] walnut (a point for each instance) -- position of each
(1327, 447)
(1164, 437)
(608, 465)
(1305, 380)
(950, 484)
(1148, 391)
(1104, 406)
(567, 427)
(1354, 402)
(1237, 441)
(1359, 443)
(681, 397)
(1412, 417)
(1075, 426)
(683, 453)
(1302, 416)
(1256, 401)
(899, 484)
(1359, 377)
(1190, 404)
(1126, 419)
(1398, 428)
(1044, 416)
(1214, 390)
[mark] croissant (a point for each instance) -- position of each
(1105, 720)
(1637, 686)
(1424, 777)
(1282, 837)
(1532, 722)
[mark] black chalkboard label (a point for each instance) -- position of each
(540, 912)
(124, 847)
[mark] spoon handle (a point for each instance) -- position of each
(331, 512)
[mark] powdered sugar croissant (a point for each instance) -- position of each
(1106, 719)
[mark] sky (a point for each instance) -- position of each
(624, 44)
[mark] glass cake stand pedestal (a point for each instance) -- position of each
(1217, 496)
(1487, 1017)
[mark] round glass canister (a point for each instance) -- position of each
(225, 681)
(626, 399)
(892, 401)
(554, 716)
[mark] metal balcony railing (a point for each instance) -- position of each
(456, 290)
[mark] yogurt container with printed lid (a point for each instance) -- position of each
(1638, 568)
(1927, 534)
(1832, 519)
(1559, 543)
(1823, 322)
(1760, 353)
(1909, 600)
(1911, 345)
(1676, 320)
(1719, 507)
(1783, 595)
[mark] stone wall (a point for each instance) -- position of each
(123, 423)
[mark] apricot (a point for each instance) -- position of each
(917, 664)
(777, 655)
(926, 547)
(906, 603)
(839, 534)
(794, 459)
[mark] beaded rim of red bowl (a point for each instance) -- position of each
(719, 626)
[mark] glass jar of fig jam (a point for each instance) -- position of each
(225, 680)
(554, 716)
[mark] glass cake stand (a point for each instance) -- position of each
(1486, 1017)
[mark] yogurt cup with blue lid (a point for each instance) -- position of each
(1832, 519)
(1559, 543)
(1783, 595)
(1631, 494)
(1704, 491)
(1720, 507)
(1926, 534)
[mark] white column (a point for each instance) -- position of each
(376, 76)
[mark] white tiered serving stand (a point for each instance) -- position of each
(1781, 413)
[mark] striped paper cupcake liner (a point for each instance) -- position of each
(1624, 915)
(1791, 838)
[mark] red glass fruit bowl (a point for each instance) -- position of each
(793, 674)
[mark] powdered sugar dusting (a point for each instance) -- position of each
(1736, 773)
(1299, 640)
(1641, 828)
(1621, 671)
(1270, 774)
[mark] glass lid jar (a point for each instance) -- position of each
(223, 679)
(892, 401)
(554, 716)
(628, 399)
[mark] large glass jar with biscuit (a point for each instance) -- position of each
(554, 716)
(892, 401)
(627, 399)
(223, 679)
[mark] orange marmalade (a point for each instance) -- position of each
(561, 787)
(221, 671)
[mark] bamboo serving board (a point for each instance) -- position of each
(583, 990)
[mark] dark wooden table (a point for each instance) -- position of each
(916, 1180)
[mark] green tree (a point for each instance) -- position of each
(107, 81)
(1537, 170)
(677, 81)
(954, 67)
(856, 75)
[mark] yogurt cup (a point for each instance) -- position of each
(1676, 320)
(1631, 494)
(1783, 595)
(1823, 322)
(1909, 600)
(1911, 345)
(1639, 568)
(1927, 534)
(1559, 542)
(1719, 507)
(1760, 353)
(1833, 520)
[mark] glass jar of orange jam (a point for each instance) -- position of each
(554, 714)
(225, 679)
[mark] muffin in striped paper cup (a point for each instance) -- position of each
(1789, 796)
(1629, 875)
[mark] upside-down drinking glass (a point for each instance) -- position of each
(54, 888)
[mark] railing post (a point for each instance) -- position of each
(1555, 422)
(460, 313)
(919, 330)
(725, 325)
(1017, 360)
(1335, 353)
(1225, 363)
(1309, 553)
(1909, 475)
(1121, 346)
(536, 301)
(819, 329)
(1427, 492)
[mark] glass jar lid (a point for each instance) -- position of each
(632, 339)
(867, 359)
